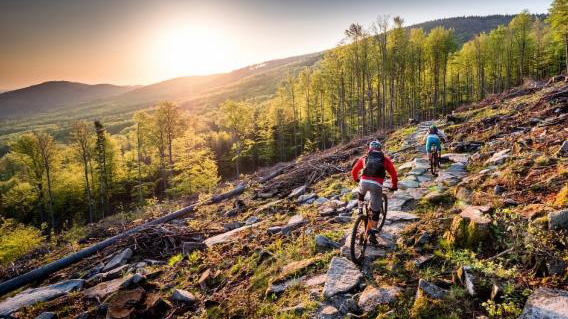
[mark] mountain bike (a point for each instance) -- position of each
(434, 161)
(362, 230)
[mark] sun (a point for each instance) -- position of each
(191, 49)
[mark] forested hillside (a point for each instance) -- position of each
(466, 28)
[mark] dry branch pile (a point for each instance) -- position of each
(312, 169)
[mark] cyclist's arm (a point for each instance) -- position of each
(389, 167)
(428, 145)
(355, 171)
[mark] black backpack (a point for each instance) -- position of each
(375, 164)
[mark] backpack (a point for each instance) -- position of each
(375, 164)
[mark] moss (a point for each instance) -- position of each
(562, 197)
(464, 234)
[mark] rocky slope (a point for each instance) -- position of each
(486, 238)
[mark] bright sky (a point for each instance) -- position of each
(130, 42)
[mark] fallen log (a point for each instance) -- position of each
(44, 271)
(277, 172)
(230, 194)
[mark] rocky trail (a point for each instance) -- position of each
(486, 238)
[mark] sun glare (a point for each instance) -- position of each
(182, 50)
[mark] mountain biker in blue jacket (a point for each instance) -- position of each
(434, 138)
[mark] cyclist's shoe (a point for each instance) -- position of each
(373, 239)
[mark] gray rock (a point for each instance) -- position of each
(563, 151)
(342, 219)
(431, 290)
(509, 202)
(546, 303)
(556, 267)
(558, 219)
(183, 296)
(274, 230)
(295, 222)
(499, 158)
(328, 312)
(118, 260)
(352, 204)
(232, 225)
(345, 303)
(31, 297)
(321, 200)
(298, 191)
(422, 260)
(373, 296)
(324, 242)
(190, 247)
(107, 288)
(398, 216)
(228, 236)
(280, 287)
(47, 315)
(252, 220)
(306, 198)
(342, 276)
(423, 239)
(408, 183)
(498, 190)
(137, 278)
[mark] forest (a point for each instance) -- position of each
(377, 78)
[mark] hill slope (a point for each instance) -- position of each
(466, 28)
(487, 233)
(48, 95)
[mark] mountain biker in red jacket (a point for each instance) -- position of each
(374, 165)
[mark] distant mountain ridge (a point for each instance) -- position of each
(194, 92)
(48, 95)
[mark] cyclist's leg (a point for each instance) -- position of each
(376, 204)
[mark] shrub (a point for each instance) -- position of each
(16, 240)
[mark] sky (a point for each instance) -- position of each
(138, 42)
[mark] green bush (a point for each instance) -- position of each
(16, 240)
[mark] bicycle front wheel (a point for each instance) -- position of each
(358, 243)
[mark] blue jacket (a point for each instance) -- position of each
(433, 140)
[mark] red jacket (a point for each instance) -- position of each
(389, 167)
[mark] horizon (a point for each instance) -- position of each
(167, 49)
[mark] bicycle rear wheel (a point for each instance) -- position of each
(358, 243)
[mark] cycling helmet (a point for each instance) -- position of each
(433, 129)
(375, 146)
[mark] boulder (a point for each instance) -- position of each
(30, 297)
(274, 230)
(297, 310)
(294, 268)
(423, 260)
(232, 225)
(398, 216)
(306, 198)
(342, 219)
(498, 190)
(252, 220)
(47, 315)
(206, 279)
(558, 219)
(436, 197)
(107, 288)
(352, 204)
(298, 191)
(430, 290)
(295, 222)
(563, 151)
(373, 296)
(328, 312)
(183, 296)
(456, 158)
(118, 260)
(345, 303)
(499, 158)
(342, 276)
(321, 200)
(546, 303)
(228, 236)
(475, 284)
(121, 306)
(470, 228)
(190, 247)
(323, 243)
